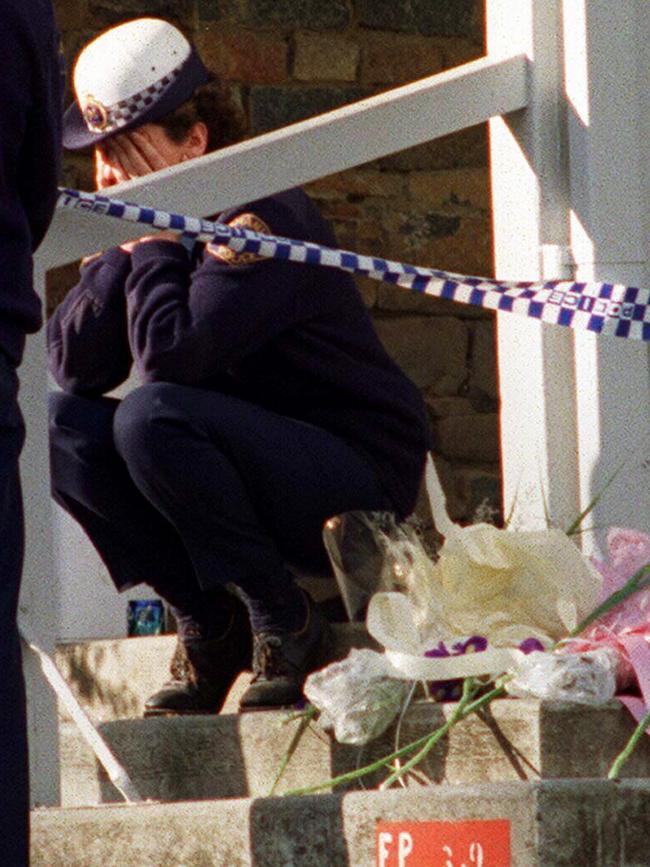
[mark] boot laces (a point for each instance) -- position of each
(268, 659)
(180, 667)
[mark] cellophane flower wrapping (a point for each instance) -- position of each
(585, 678)
(507, 585)
(628, 551)
(357, 698)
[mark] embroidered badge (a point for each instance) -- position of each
(232, 257)
(95, 114)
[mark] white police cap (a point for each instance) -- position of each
(134, 73)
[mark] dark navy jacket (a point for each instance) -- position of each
(30, 143)
(292, 338)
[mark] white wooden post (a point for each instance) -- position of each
(39, 602)
(531, 232)
(607, 65)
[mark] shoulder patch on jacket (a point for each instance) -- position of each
(232, 257)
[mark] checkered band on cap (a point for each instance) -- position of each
(103, 118)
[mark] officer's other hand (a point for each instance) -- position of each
(164, 235)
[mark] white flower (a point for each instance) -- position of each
(511, 585)
(506, 585)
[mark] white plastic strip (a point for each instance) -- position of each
(493, 661)
(603, 308)
(116, 773)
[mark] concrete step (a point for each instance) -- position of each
(586, 823)
(113, 677)
(228, 756)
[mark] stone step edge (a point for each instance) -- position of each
(552, 823)
(232, 755)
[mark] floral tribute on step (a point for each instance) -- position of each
(495, 612)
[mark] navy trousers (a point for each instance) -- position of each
(14, 789)
(189, 489)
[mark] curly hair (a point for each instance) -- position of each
(214, 105)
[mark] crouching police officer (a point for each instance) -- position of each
(267, 402)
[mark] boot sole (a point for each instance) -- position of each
(168, 712)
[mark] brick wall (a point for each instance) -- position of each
(289, 59)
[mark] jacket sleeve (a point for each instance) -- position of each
(30, 132)
(187, 325)
(32, 109)
(88, 347)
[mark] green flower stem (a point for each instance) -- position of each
(305, 719)
(638, 581)
(576, 525)
(627, 751)
(469, 690)
(361, 772)
(383, 762)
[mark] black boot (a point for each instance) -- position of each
(282, 661)
(204, 670)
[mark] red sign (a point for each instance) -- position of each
(480, 843)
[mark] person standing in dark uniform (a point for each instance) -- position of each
(268, 403)
(30, 133)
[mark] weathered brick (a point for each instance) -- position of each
(357, 234)
(325, 58)
(467, 251)
(395, 15)
(444, 18)
(467, 186)
(398, 299)
(360, 182)
(480, 489)
(306, 14)
(70, 14)
(242, 55)
(459, 51)
(222, 10)
(465, 148)
(483, 364)
(423, 226)
(469, 437)
(412, 231)
(442, 407)
(431, 350)
(389, 58)
(340, 209)
(107, 12)
(367, 289)
(273, 107)
(429, 17)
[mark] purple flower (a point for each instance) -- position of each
(530, 645)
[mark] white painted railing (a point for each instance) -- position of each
(332, 142)
(546, 413)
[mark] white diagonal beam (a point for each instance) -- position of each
(352, 135)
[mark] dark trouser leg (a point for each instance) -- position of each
(247, 490)
(14, 786)
(137, 544)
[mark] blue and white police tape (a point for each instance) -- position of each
(602, 308)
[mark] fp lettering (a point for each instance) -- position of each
(404, 847)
